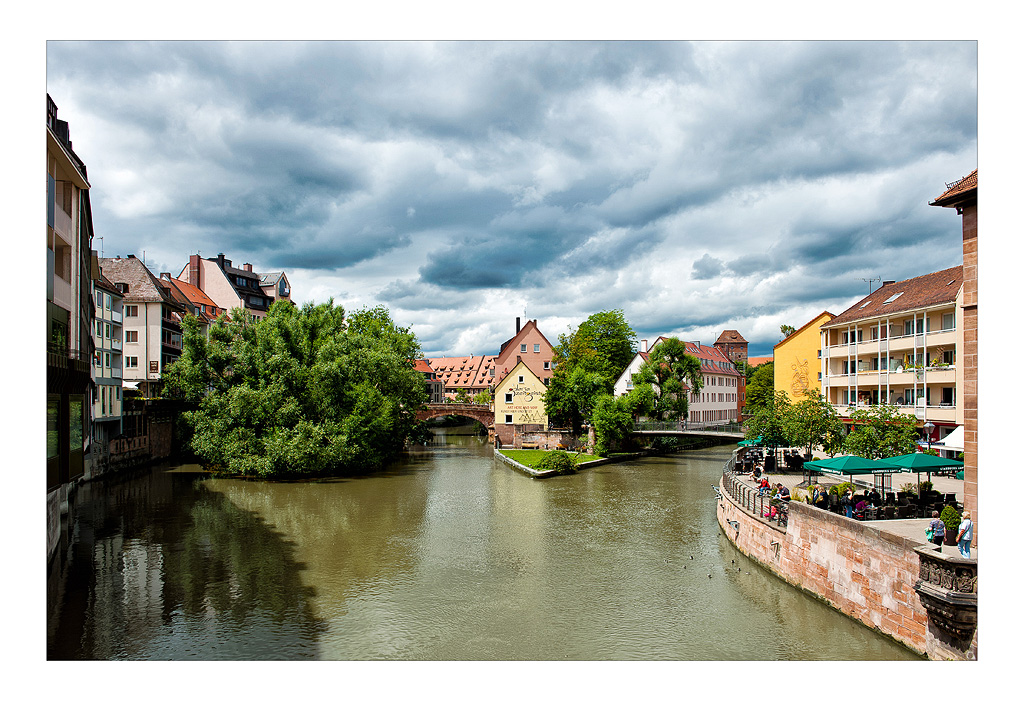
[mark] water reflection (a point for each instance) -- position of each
(447, 556)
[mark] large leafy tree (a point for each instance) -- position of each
(760, 387)
(614, 417)
(771, 420)
(588, 360)
(813, 422)
(881, 431)
(299, 392)
(673, 375)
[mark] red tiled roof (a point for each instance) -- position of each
(731, 336)
(916, 293)
(961, 190)
(197, 297)
(760, 360)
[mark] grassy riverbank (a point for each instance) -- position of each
(530, 458)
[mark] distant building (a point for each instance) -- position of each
(108, 338)
(152, 323)
(194, 300)
(435, 388)
(69, 322)
(472, 373)
(733, 345)
(229, 287)
(519, 402)
(276, 286)
(798, 359)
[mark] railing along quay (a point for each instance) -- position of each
(752, 501)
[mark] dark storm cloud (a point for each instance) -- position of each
(439, 175)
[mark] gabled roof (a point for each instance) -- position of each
(514, 341)
(143, 286)
(105, 284)
(196, 297)
(516, 371)
(711, 354)
(921, 292)
(830, 316)
(270, 278)
(731, 336)
(471, 371)
(964, 189)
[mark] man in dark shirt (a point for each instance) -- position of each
(783, 492)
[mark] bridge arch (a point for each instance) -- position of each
(478, 412)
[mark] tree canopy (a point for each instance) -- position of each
(813, 422)
(760, 387)
(881, 431)
(300, 392)
(588, 360)
(674, 375)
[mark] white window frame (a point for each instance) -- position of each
(508, 418)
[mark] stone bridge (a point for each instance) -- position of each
(481, 412)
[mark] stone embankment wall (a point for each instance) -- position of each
(864, 572)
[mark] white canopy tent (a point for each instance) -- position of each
(954, 441)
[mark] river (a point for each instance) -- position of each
(447, 555)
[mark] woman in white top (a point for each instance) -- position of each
(965, 535)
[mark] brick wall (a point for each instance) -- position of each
(970, 362)
(867, 574)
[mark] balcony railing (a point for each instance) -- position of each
(116, 317)
(62, 225)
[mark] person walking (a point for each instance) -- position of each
(965, 535)
(938, 529)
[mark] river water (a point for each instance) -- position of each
(448, 555)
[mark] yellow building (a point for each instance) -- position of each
(518, 401)
(798, 359)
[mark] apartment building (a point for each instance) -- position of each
(472, 373)
(69, 311)
(902, 345)
(195, 301)
(276, 286)
(231, 287)
(435, 388)
(151, 323)
(108, 338)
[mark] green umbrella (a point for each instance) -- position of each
(850, 465)
(923, 462)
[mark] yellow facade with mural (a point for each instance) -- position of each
(798, 360)
(519, 399)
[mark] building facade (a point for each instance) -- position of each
(473, 374)
(276, 286)
(227, 286)
(962, 196)
(528, 346)
(108, 338)
(519, 401)
(151, 323)
(798, 359)
(435, 388)
(734, 346)
(69, 310)
(901, 345)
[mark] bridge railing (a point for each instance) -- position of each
(732, 427)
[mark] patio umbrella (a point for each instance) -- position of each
(923, 462)
(849, 465)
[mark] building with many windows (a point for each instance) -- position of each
(900, 345)
(231, 287)
(151, 323)
(518, 404)
(69, 311)
(528, 346)
(797, 359)
(473, 374)
(108, 338)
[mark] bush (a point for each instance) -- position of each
(950, 518)
(559, 461)
(840, 489)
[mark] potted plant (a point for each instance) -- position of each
(951, 520)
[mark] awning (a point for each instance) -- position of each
(954, 441)
(129, 385)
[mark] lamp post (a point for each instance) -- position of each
(928, 428)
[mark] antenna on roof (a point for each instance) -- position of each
(101, 245)
(869, 280)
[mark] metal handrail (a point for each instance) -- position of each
(752, 501)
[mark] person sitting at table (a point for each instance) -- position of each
(875, 498)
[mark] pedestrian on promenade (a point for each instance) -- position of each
(938, 529)
(965, 535)
(783, 492)
(847, 503)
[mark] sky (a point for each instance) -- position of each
(697, 186)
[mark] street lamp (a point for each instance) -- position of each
(928, 428)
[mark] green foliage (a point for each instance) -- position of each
(558, 460)
(672, 376)
(483, 397)
(881, 431)
(950, 518)
(772, 420)
(760, 387)
(908, 489)
(814, 422)
(588, 360)
(301, 392)
(926, 486)
(840, 489)
(786, 330)
(612, 421)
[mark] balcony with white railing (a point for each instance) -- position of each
(116, 317)
(115, 344)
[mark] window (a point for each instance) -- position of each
(536, 348)
(106, 331)
(131, 336)
(131, 310)
(893, 298)
(522, 348)
(131, 361)
(949, 357)
(508, 418)
(909, 326)
(508, 397)
(547, 365)
(106, 301)
(99, 299)
(547, 380)
(97, 359)
(106, 360)
(948, 321)
(522, 379)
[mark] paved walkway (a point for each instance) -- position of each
(910, 528)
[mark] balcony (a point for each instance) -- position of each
(62, 226)
(62, 295)
(115, 344)
(116, 317)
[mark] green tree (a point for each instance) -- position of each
(673, 375)
(760, 387)
(786, 330)
(483, 397)
(881, 431)
(814, 422)
(614, 417)
(461, 396)
(588, 360)
(771, 420)
(300, 392)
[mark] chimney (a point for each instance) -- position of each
(222, 262)
(193, 270)
(643, 346)
(888, 282)
(247, 267)
(517, 324)
(165, 276)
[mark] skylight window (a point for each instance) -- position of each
(865, 304)
(893, 298)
